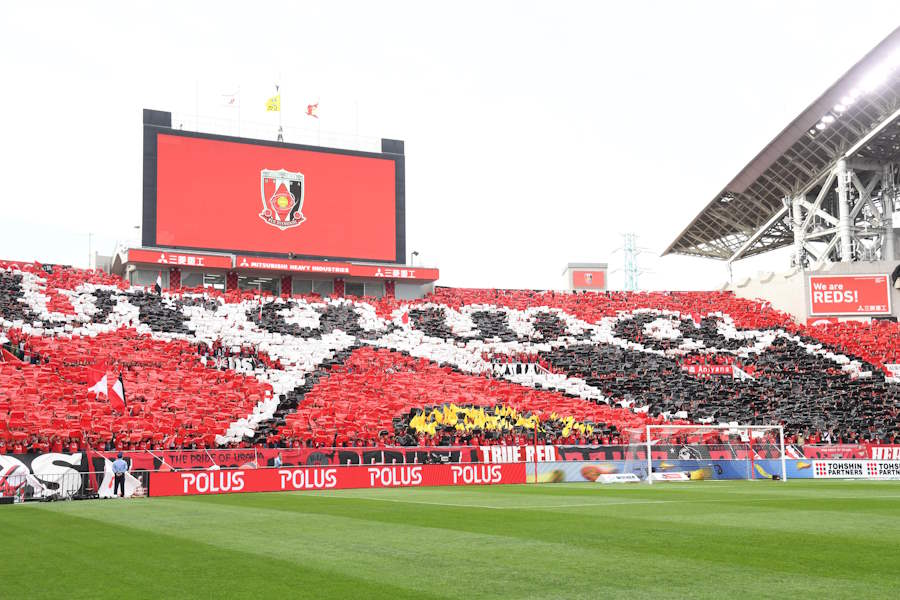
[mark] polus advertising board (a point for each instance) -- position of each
(206, 192)
(227, 481)
(849, 295)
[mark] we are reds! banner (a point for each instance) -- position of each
(236, 196)
(849, 295)
(225, 481)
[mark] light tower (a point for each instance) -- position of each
(630, 251)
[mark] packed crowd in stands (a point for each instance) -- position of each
(419, 372)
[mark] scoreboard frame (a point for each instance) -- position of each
(160, 122)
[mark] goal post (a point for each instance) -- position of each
(732, 451)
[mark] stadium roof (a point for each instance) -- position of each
(857, 118)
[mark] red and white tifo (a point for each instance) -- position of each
(336, 370)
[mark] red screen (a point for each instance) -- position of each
(209, 195)
(589, 279)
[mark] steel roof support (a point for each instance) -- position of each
(824, 256)
(759, 233)
(865, 194)
(888, 191)
(826, 187)
(797, 220)
(843, 181)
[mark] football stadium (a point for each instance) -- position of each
(270, 392)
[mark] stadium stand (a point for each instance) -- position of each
(203, 368)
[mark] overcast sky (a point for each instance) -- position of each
(536, 132)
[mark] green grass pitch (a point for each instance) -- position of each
(691, 540)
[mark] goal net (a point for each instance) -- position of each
(704, 452)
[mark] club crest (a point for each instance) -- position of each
(282, 198)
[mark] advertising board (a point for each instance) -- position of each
(849, 295)
(856, 469)
(222, 481)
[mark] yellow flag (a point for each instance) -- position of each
(273, 104)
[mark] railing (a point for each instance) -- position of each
(68, 485)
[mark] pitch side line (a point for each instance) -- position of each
(584, 504)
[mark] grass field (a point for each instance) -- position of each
(696, 540)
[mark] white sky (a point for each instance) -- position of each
(536, 132)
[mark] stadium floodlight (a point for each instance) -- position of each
(875, 78)
(847, 100)
(828, 119)
(839, 108)
(893, 60)
(699, 452)
(820, 125)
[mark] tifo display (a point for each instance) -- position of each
(462, 367)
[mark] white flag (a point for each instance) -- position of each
(230, 100)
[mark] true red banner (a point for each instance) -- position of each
(227, 481)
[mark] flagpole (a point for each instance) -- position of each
(239, 110)
(280, 130)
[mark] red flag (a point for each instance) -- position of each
(6, 355)
(312, 110)
(117, 395)
(405, 317)
(96, 380)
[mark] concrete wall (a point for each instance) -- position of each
(785, 291)
(412, 291)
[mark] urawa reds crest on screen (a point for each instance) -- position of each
(282, 198)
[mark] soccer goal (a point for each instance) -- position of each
(703, 452)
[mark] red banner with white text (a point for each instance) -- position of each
(226, 481)
(849, 295)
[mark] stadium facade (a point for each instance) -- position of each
(235, 213)
(828, 188)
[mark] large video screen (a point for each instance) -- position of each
(238, 195)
